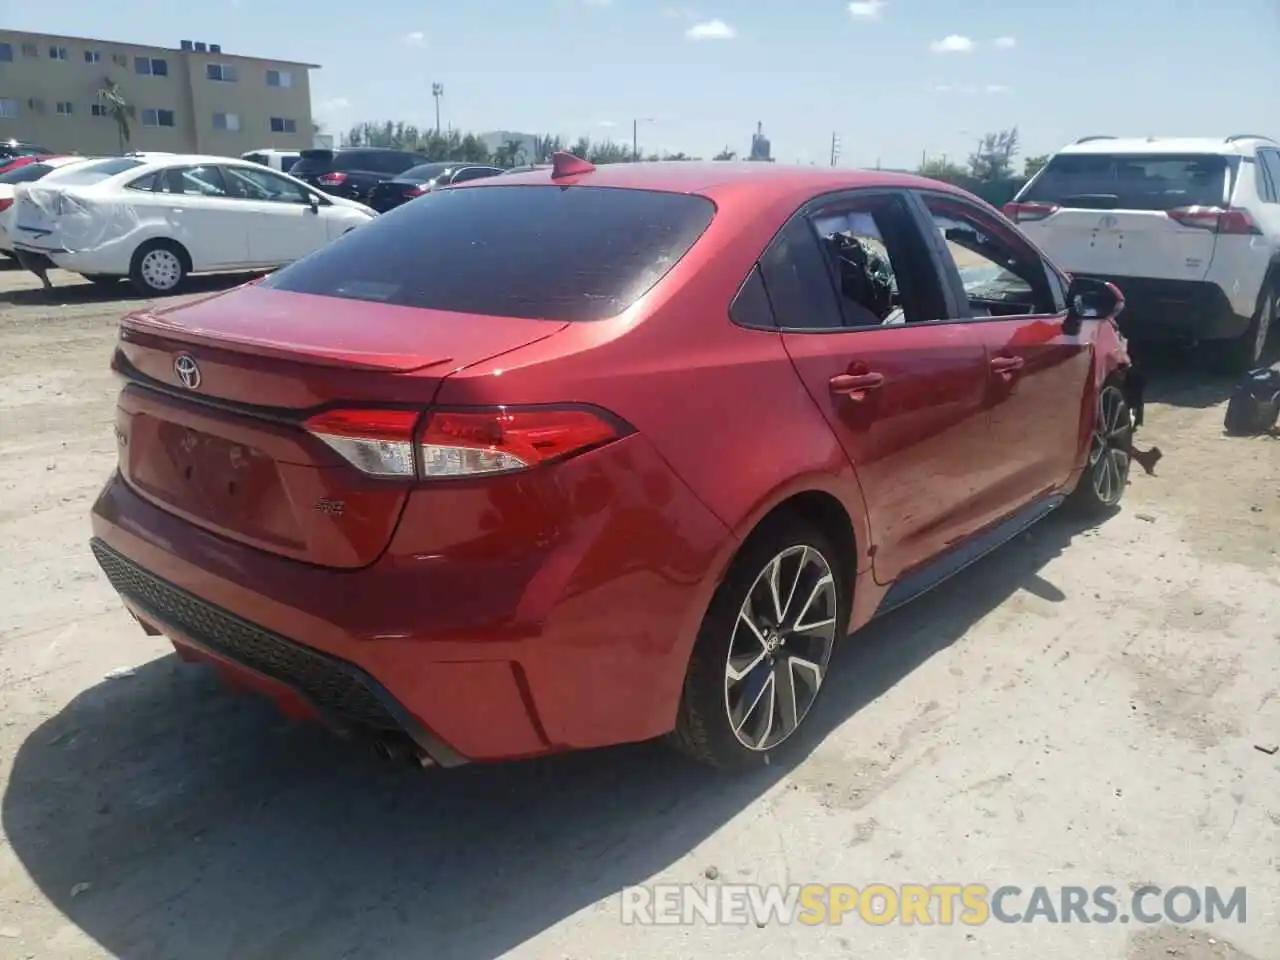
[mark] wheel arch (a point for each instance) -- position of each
(164, 241)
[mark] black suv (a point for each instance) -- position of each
(17, 148)
(352, 172)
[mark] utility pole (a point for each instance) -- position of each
(437, 91)
(835, 149)
(635, 136)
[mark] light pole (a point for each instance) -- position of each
(437, 91)
(635, 136)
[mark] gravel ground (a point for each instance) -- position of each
(1084, 707)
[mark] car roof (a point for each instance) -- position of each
(720, 178)
(1223, 146)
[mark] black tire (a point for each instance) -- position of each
(1106, 472)
(704, 730)
(102, 279)
(1245, 353)
(156, 261)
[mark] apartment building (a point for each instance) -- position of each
(194, 98)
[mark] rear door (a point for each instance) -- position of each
(1037, 377)
(1129, 215)
(190, 204)
(903, 392)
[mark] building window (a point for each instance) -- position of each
(221, 71)
(119, 59)
(63, 108)
(227, 121)
(98, 110)
(57, 53)
(157, 118)
(30, 50)
(6, 53)
(151, 66)
(93, 56)
(8, 109)
(279, 78)
(283, 125)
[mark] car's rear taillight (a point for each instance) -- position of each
(1230, 221)
(417, 191)
(377, 442)
(1026, 212)
(461, 442)
(6, 203)
(331, 179)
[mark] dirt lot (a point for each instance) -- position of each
(1084, 707)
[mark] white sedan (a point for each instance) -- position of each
(158, 219)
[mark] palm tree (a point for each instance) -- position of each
(117, 108)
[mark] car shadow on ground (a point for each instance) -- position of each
(165, 817)
(82, 291)
(1178, 375)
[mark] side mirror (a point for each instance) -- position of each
(1090, 299)
(313, 202)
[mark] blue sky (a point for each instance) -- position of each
(893, 79)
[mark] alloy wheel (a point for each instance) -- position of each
(161, 269)
(1109, 454)
(780, 647)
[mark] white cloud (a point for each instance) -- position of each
(597, 3)
(997, 88)
(334, 105)
(943, 88)
(711, 30)
(607, 123)
(866, 9)
(952, 44)
(1005, 43)
(415, 38)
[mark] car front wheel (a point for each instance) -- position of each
(1110, 453)
(762, 654)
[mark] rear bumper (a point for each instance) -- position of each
(582, 644)
(1176, 310)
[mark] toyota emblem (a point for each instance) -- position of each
(187, 371)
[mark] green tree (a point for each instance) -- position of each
(117, 108)
(1033, 165)
(993, 160)
(940, 168)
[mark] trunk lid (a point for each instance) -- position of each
(1133, 243)
(225, 447)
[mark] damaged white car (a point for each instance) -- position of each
(158, 219)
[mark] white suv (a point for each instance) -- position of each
(1189, 229)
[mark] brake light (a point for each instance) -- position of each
(377, 442)
(417, 191)
(6, 203)
(1026, 212)
(1216, 219)
(331, 179)
(460, 442)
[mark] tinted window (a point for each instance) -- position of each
(83, 174)
(251, 184)
(1131, 181)
(311, 162)
(26, 173)
(1269, 161)
(750, 308)
(425, 171)
(797, 281)
(474, 173)
(576, 253)
(287, 161)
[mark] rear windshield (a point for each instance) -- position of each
(83, 174)
(372, 161)
(26, 173)
(543, 252)
(425, 171)
(1131, 181)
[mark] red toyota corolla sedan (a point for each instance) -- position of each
(586, 456)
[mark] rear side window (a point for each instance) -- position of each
(26, 173)
(83, 174)
(1098, 181)
(313, 161)
(542, 252)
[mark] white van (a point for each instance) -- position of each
(280, 160)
